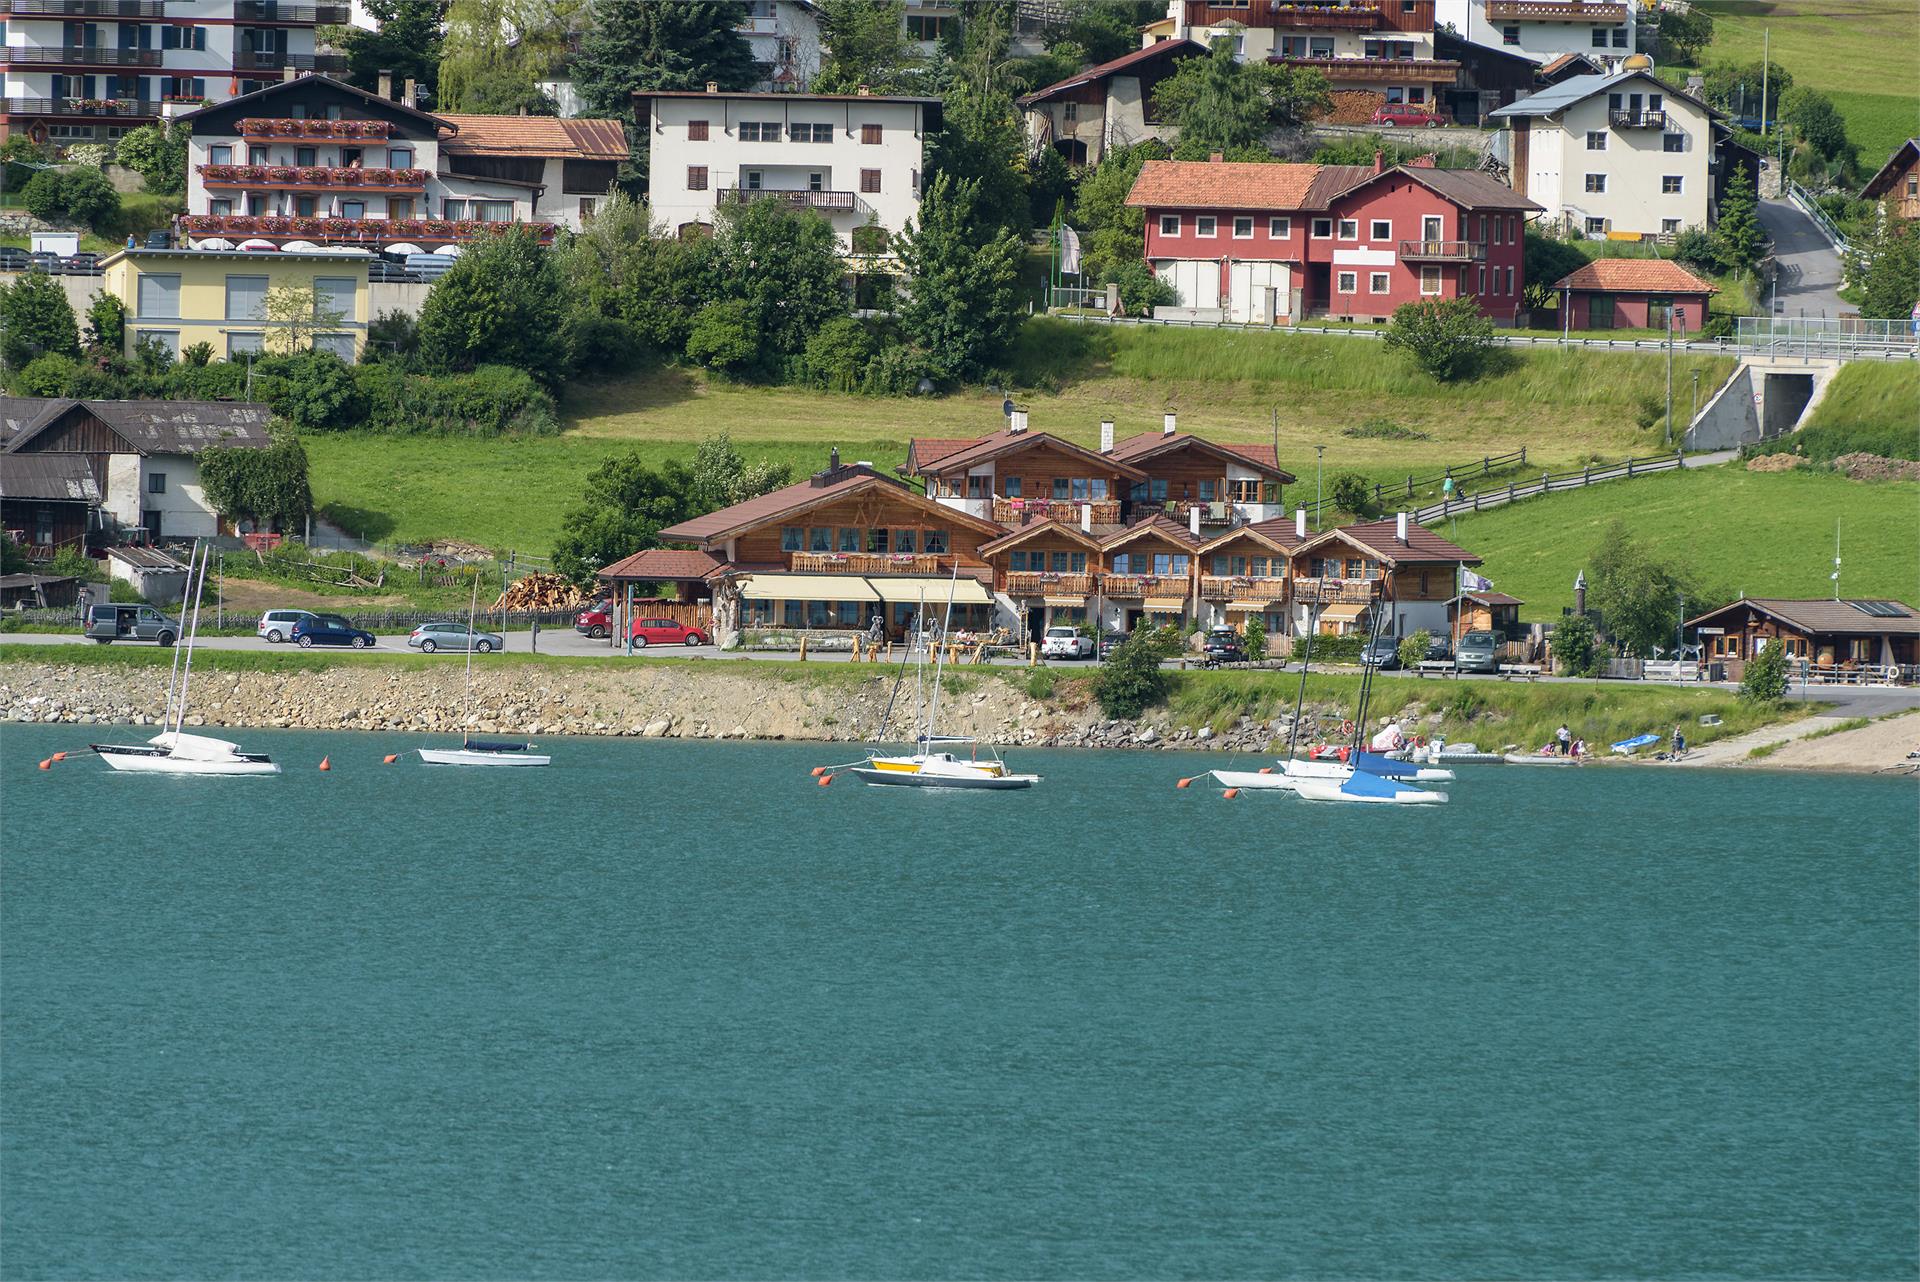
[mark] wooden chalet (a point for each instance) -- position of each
(1344, 575)
(48, 503)
(1844, 640)
(1247, 573)
(1486, 611)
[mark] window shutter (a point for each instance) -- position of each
(159, 298)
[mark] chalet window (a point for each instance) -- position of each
(819, 538)
(870, 134)
(1596, 182)
(334, 294)
(1257, 567)
(1673, 143)
(1600, 37)
(849, 539)
(1509, 35)
(1017, 561)
(1669, 226)
(1381, 229)
(220, 154)
(400, 157)
(1244, 490)
(242, 344)
(1670, 184)
(1205, 226)
(220, 208)
(1620, 42)
(977, 487)
(1510, 288)
(1377, 283)
(1011, 487)
(1913, 187)
(696, 177)
(1349, 229)
(1060, 487)
(1429, 280)
(934, 541)
(1481, 288)
(877, 541)
(869, 180)
(1243, 229)
(1596, 226)
(1596, 140)
(358, 208)
(1097, 488)
(156, 482)
(1616, 102)
(1220, 563)
(1169, 224)
(1322, 228)
(1070, 111)
(903, 541)
(790, 538)
(1347, 283)
(1206, 491)
(1433, 227)
(696, 131)
(815, 132)
(1279, 228)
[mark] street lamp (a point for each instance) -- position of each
(1319, 452)
(1677, 315)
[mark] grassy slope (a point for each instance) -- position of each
(1858, 52)
(1878, 395)
(512, 493)
(1767, 534)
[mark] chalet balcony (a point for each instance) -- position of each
(827, 202)
(79, 56)
(1380, 70)
(325, 63)
(1313, 17)
(122, 9)
(1127, 587)
(313, 177)
(85, 108)
(1066, 511)
(1025, 583)
(1443, 251)
(1637, 119)
(291, 14)
(1336, 591)
(364, 232)
(258, 128)
(1554, 11)
(870, 563)
(1241, 587)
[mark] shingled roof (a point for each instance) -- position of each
(152, 427)
(536, 136)
(819, 488)
(1146, 445)
(1636, 275)
(1382, 539)
(1818, 616)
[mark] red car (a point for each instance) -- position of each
(662, 632)
(1411, 115)
(595, 621)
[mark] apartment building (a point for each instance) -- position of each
(784, 36)
(314, 160)
(179, 297)
(855, 158)
(1617, 154)
(89, 70)
(1541, 30)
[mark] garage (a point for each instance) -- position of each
(1196, 280)
(1257, 292)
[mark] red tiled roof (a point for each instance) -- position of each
(1159, 49)
(662, 563)
(811, 492)
(1382, 539)
(925, 451)
(1203, 184)
(1651, 275)
(536, 136)
(1280, 530)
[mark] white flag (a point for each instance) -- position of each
(1472, 582)
(1069, 250)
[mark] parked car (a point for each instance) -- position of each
(1381, 652)
(1065, 643)
(109, 623)
(1439, 649)
(13, 260)
(595, 621)
(1479, 652)
(277, 625)
(1222, 646)
(429, 637)
(44, 260)
(1109, 641)
(1410, 115)
(84, 263)
(645, 632)
(159, 240)
(328, 629)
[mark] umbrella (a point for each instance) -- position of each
(301, 246)
(257, 244)
(451, 251)
(213, 242)
(405, 247)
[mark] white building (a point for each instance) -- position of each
(1614, 154)
(316, 160)
(854, 157)
(89, 70)
(785, 38)
(1544, 29)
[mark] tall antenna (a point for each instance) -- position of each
(1835, 576)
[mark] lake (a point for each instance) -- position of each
(671, 1009)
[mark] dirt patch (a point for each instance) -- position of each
(1775, 463)
(1872, 467)
(252, 594)
(1884, 745)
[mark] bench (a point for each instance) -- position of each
(1442, 666)
(1530, 671)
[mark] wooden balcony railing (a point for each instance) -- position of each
(870, 563)
(1443, 251)
(315, 176)
(257, 127)
(1316, 17)
(1066, 511)
(1241, 587)
(1637, 119)
(1025, 583)
(351, 231)
(1554, 11)
(1336, 591)
(1436, 70)
(1129, 586)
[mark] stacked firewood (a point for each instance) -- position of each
(541, 592)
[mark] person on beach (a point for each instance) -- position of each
(1678, 745)
(1564, 738)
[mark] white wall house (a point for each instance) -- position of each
(855, 158)
(784, 36)
(1544, 29)
(1111, 105)
(1619, 153)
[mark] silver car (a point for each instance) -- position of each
(277, 625)
(429, 637)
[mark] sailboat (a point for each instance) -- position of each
(473, 752)
(173, 751)
(1364, 776)
(936, 761)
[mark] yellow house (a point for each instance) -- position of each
(230, 299)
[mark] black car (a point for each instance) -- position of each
(13, 260)
(1223, 646)
(45, 261)
(1109, 641)
(1381, 652)
(1438, 651)
(329, 629)
(84, 263)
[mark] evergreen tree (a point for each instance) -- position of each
(38, 320)
(963, 273)
(867, 44)
(636, 46)
(407, 42)
(1739, 231)
(983, 142)
(1221, 104)
(503, 303)
(1885, 265)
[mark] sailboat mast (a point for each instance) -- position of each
(946, 625)
(193, 632)
(472, 607)
(173, 675)
(1306, 661)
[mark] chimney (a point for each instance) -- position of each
(713, 86)
(1379, 162)
(1106, 436)
(1300, 523)
(1217, 158)
(410, 95)
(1016, 423)
(1428, 161)
(386, 83)
(1400, 527)
(1193, 520)
(288, 73)
(1167, 424)
(864, 91)
(1086, 518)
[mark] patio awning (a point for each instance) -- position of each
(913, 590)
(807, 587)
(1074, 602)
(1165, 604)
(1343, 612)
(1252, 607)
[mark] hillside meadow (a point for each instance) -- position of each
(1372, 411)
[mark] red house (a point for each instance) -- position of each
(1634, 293)
(1268, 244)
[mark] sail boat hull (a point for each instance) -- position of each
(478, 757)
(139, 759)
(881, 776)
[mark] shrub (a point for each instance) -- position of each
(897, 371)
(1447, 338)
(88, 197)
(1696, 247)
(392, 336)
(1572, 644)
(724, 337)
(311, 390)
(42, 196)
(35, 317)
(1335, 649)
(1765, 681)
(1719, 325)
(1353, 493)
(837, 355)
(493, 400)
(1255, 639)
(158, 154)
(1131, 680)
(106, 323)
(196, 355)
(49, 375)
(1413, 649)
(1140, 290)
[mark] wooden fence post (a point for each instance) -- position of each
(1486, 465)
(1033, 654)
(1523, 455)
(1409, 484)
(803, 647)
(1629, 468)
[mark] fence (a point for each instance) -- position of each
(1844, 338)
(1485, 467)
(1705, 347)
(1801, 197)
(1549, 483)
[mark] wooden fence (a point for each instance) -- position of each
(1549, 483)
(1485, 467)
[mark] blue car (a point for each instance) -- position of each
(329, 629)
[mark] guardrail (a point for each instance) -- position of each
(1803, 200)
(1549, 483)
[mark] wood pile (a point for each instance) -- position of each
(541, 592)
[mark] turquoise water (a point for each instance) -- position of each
(673, 1010)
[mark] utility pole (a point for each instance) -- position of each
(1671, 313)
(1319, 452)
(1696, 399)
(1766, 61)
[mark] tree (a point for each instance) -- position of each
(784, 263)
(489, 39)
(1885, 265)
(624, 506)
(1815, 118)
(407, 43)
(1098, 30)
(1131, 680)
(1255, 638)
(1353, 493)
(721, 477)
(43, 197)
(106, 324)
(619, 265)
(504, 91)
(1766, 677)
(89, 197)
(866, 44)
(504, 303)
(37, 318)
(1739, 232)
(1114, 233)
(313, 390)
(1412, 650)
(158, 153)
(1448, 338)
(1548, 260)
(983, 142)
(634, 46)
(1219, 103)
(1638, 596)
(52, 374)
(1735, 87)
(261, 485)
(963, 305)
(1684, 34)
(295, 316)
(725, 336)
(1573, 648)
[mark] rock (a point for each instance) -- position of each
(1206, 732)
(1146, 735)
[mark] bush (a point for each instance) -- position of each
(106, 324)
(49, 375)
(1719, 325)
(1413, 649)
(1572, 645)
(1765, 681)
(837, 355)
(1255, 638)
(1140, 290)
(724, 337)
(493, 400)
(1447, 338)
(1696, 247)
(1334, 649)
(392, 336)
(42, 196)
(81, 195)
(158, 154)
(1131, 680)
(311, 390)
(1353, 492)
(897, 371)
(197, 355)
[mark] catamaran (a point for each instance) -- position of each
(173, 751)
(472, 752)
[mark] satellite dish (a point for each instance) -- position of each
(1006, 408)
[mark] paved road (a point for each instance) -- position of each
(1809, 283)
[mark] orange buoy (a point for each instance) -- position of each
(390, 758)
(58, 756)
(326, 763)
(1343, 754)
(47, 764)
(1184, 783)
(825, 780)
(818, 771)
(1231, 793)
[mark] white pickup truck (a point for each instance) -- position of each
(1065, 643)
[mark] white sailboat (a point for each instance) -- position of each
(480, 753)
(173, 751)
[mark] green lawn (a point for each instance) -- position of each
(1861, 53)
(512, 493)
(1764, 534)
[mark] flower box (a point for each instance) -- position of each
(307, 226)
(313, 175)
(280, 173)
(376, 177)
(276, 225)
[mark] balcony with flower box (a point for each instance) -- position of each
(870, 563)
(1242, 587)
(1025, 583)
(371, 232)
(85, 108)
(1377, 70)
(263, 129)
(1317, 17)
(1555, 11)
(1126, 587)
(314, 177)
(1066, 511)
(1336, 591)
